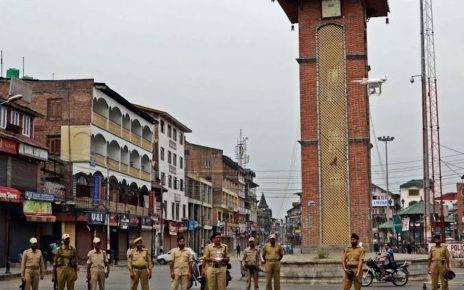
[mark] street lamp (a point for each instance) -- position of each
(12, 99)
(387, 139)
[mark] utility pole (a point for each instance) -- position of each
(387, 139)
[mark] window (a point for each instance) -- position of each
(26, 125)
(172, 210)
(165, 209)
(174, 159)
(170, 181)
(181, 185)
(162, 153)
(162, 126)
(3, 117)
(14, 117)
(207, 163)
(220, 216)
(175, 183)
(181, 138)
(174, 134)
(169, 157)
(184, 211)
(163, 178)
(54, 109)
(177, 211)
(414, 192)
(181, 162)
(54, 145)
(169, 131)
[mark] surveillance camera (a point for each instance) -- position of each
(412, 80)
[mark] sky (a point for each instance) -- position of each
(222, 66)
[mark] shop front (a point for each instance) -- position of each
(10, 203)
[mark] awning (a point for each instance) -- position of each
(8, 194)
(41, 218)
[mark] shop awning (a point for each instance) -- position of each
(8, 194)
(41, 218)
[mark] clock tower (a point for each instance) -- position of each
(334, 114)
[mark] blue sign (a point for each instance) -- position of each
(39, 196)
(96, 189)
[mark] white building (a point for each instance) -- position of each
(411, 192)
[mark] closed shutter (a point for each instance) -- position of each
(24, 175)
(3, 167)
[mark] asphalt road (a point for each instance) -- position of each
(119, 280)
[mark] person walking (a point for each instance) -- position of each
(65, 265)
(139, 265)
(238, 249)
(98, 267)
(181, 265)
(217, 257)
(32, 266)
(251, 259)
(352, 264)
(439, 263)
(272, 255)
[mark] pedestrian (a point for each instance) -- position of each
(98, 268)
(352, 264)
(272, 255)
(217, 257)
(181, 265)
(251, 259)
(32, 266)
(65, 265)
(439, 263)
(238, 249)
(139, 265)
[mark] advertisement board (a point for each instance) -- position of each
(35, 207)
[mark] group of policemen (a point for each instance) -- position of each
(215, 257)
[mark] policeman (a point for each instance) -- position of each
(181, 265)
(251, 259)
(139, 265)
(352, 262)
(98, 267)
(65, 265)
(272, 254)
(204, 267)
(217, 258)
(439, 263)
(32, 266)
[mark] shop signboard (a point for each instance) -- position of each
(96, 218)
(123, 221)
(31, 195)
(134, 221)
(96, 189)
(8, 146)
(35, 207)
(146, 223)
(34, 152)
(8, 194)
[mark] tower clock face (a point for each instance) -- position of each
(331, 8)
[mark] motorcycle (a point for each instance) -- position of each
(398, 275)
(197, 277)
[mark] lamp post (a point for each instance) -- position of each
(387, 139)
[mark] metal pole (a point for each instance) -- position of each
(425, 140)
(108, 245)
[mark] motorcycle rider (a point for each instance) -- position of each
(387, 260)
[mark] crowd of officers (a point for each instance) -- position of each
(214, 269)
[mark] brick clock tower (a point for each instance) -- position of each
(335, 141)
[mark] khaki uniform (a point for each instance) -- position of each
(439, 255)
(251, 259)
(216, 272)
(140, 265)
(181, 259)
(66, 267)
(272, 267)
(32, 268)
(353, 256)
(97, 262)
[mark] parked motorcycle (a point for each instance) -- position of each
(398, 275)
(198, 279)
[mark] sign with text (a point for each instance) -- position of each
(8, 146)
(123, 221)
(379, 203)
(456, 249)
(8, 194)
(405, 224)
(39, 196)
(35, 207)
(96, 189)
(34, 152)
(96, 218)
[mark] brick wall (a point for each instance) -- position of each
(460, 207)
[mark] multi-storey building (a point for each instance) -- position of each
(293, 224)
(107, 143)
(460, 209)
(411, 192)
(171, 172)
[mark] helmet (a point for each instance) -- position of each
(350, 274)
(450, 275)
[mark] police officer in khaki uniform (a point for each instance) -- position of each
(439, 263)
(98, 267)
(272, 254)
(32, 266)
(251, 259)
(139, 266)
(353, 258)
(217, 257)
(65, 265)
(181, 265)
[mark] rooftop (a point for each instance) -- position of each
(165, 115)
(412, 183)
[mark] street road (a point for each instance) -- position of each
(119, 280)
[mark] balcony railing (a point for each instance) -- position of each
(99, 159)
(136, 139)
(124, 168)
(99, 120)
(113, 164)
(147, 145)
(146, 176)
(114, 128)
(135, 172)
(126, 134)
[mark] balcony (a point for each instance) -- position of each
(135, 172)
(113, 164)
(126, 134)
(146, 176)
(137, 140)
(124, 168)
(100, 159)
(147, 145)
(99, 120)
(114, 128)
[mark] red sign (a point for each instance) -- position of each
(151, 201)
(8, 194)
(8, 146)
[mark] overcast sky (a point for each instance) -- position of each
(222, 66)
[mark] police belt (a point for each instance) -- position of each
(140, 267)
(272, 260)
(217, 265)
(65, 265)
(353, 266)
